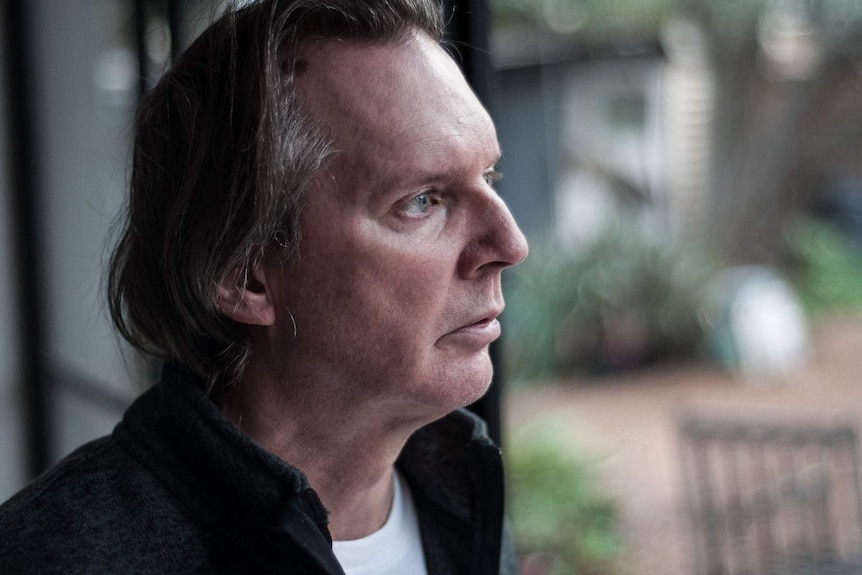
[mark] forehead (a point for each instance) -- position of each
(397, 106)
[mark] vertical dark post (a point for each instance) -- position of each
(467, 30)
(175, 12)
(24, 189)
(140, 17)
(468, 23)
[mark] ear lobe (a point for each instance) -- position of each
(244, 296)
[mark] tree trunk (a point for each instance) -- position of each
(761, 132)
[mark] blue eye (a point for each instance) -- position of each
(418, 204)
(492, 177)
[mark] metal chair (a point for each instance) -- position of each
(771, 498)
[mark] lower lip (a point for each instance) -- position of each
(480, 333)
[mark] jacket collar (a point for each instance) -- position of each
(176, 431)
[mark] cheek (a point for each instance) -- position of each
(387, 289)
(396, 274)
(402, 290)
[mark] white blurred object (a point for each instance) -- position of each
(584, 207)
(762, 331)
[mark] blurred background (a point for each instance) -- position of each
(73, 72)
(682, 346)
(679, 366)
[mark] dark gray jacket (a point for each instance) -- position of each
(178, 489)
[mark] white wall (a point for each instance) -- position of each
(600, 134)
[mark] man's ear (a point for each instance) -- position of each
(245, 296)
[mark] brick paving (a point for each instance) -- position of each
(629, 422)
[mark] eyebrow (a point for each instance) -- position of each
(432, 175)
(400, 179)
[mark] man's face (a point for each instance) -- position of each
(396, 290)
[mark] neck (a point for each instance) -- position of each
(346, 447)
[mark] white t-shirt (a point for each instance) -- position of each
(395, 549)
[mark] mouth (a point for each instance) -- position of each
(480, 324)
(486, 317)
(478, 332)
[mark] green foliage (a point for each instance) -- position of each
(556, 507)
(827, 269)
(839, 21)
(584, 18)
(633, 296)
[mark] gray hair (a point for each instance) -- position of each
(223, 154)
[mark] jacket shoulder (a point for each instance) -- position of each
(94, 507)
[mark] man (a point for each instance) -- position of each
(315, 247)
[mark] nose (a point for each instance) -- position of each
(496, 240)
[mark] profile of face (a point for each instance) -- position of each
(395, 293)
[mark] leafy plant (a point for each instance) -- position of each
(586, 19)
(827, 268)
(632, 296)
(556, 507)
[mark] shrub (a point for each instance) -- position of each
(826, 267)
(633, 296)
(556, 507)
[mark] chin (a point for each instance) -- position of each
(469, 385)
(451, 386)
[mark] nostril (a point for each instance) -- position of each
(494, 240)
(501, 246)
